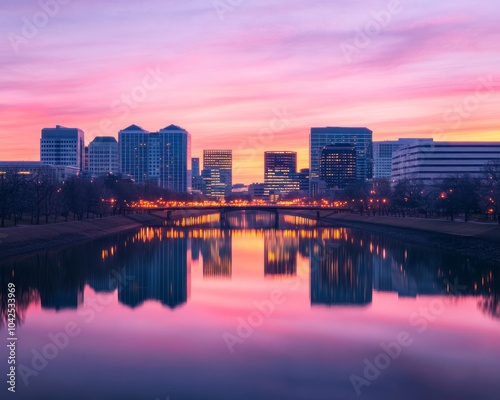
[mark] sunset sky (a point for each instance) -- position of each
(225, 72)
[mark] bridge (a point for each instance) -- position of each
(223, 210)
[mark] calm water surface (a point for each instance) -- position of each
(252, 312)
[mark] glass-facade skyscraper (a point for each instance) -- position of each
(195, 163)
(163, 157)
(361, 138)
(133, 142)
(175, 159)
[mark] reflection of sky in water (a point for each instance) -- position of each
(153, 308)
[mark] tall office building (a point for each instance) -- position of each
(382, 156)
(218, 166)
(304, 180)
(86, 159)
(195, 163)
(162, 157)
(133, 143)
(338, 165)
(175, 159)
(103, 156)
(197, 179)
(206, 182)
(62, 146)
(280, 172)
(427, 161)
(212, 184)
(361, 138)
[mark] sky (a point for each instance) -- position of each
(248, 75)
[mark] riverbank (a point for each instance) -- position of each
(475, 240)
(29, 239)
(25, 240)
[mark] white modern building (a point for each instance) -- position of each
(163, 157)
(103, 156)
(427, 161)
(382, 156)
(54, 174)
(62, 146)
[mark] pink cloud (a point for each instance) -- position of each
(223, 79)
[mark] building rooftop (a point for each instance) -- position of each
(173, 128)
(342, 127)
(20, 163)
(104, 139)
(133, 128)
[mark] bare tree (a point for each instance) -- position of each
(460, 193)
(12, 196)
(357, 194)
(381, 194)
(42, 190)
(491, 183)
(74, 197)
(408, 196)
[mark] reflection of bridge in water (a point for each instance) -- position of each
(319, 212)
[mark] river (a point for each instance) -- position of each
(194, 311)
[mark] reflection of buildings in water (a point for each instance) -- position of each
(412, 272)
(294, 221)
(104, 276)
(159, 271)
(156, 262)
(195, 249)
(217, 255)
(250, 220)
(207, 220)
(490, 305)
(304, 246)
(60, 281)
(103, 282)
(280, 252)
(62, 297)
(389, 277)
(340, 274)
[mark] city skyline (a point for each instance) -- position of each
(259, 177)
(164, 158)
(228, 76)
